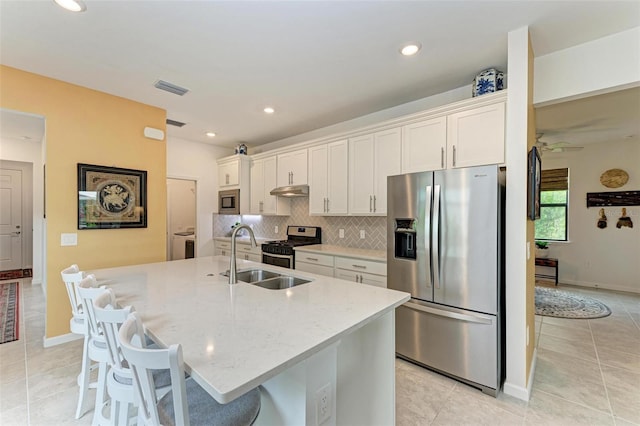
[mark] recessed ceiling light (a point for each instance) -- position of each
(269, 110)
(211, 134)
(410, 49)
(72, 5)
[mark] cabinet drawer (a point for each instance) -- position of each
(223, 245)
(368, 266)
(362, 278)
(247, 248)
(313, 258)
(314, 269)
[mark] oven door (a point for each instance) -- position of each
(286, 261)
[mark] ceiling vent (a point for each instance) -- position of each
(171, 122)
(169, 87)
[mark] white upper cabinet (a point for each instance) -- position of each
(263, 180)
(292, 168)
(229, 173)
(476, 137)
(424, 145)
(328, 177)
(372, 158)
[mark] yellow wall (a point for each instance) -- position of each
(531, 139)
(87, 126)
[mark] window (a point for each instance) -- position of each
(554, 208)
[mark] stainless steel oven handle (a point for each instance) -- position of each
(281, 256)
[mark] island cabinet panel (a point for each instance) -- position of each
(424, 145)
(263, 180)
(328, 177)
(476, 137)
(372, 158)
(248, 252)
(292, 168)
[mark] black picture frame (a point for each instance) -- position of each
(534, 165)
(111, 197)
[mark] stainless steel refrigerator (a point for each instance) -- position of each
(445, 247)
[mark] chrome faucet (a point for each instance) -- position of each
(232, 267)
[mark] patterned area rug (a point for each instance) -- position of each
(561, 304)
(9, 311)
(15, 274)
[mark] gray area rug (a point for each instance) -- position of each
(561, 304)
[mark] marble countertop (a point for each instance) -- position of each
(375, 255)
(235, 337)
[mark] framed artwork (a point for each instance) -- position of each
(533, 190)
(110, 197)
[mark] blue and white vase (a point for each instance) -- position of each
(488, 81)
(241, 149)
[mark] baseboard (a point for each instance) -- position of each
(601, 286)
(59, 340)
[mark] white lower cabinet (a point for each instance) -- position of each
(320, 264)
(362, 277)
(243, 250)
(347, 268)
(361, 271)
(222, 248)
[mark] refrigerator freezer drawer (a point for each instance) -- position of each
(456, 342)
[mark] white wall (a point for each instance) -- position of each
(30, 152)
(608, 63)
(610, 257)
(197, 161)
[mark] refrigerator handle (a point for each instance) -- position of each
(435, 237)
(427, 224)
(448, 314)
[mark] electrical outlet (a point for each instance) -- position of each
(275, 229)
(341, 233)
(324, 403)
(362, 234)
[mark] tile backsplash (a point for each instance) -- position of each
(375, 228)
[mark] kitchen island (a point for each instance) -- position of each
(328, 338)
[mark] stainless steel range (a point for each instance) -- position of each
(281, 253)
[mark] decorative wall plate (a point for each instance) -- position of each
(614, 178)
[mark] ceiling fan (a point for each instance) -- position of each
(555, 146)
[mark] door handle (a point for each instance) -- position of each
(327, 205)
(454, 156)
(374, 204)
(442, 157)
(370, 203)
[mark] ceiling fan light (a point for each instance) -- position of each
(72, 5)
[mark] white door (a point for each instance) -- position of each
(338, 177)
(424, 145)
(318, 179)
(388, 162)
(10, 219)
(361, 175)
(257, 187)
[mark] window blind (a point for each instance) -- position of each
(554, 180)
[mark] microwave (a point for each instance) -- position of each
(229, 201)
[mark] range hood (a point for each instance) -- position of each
(291, 191)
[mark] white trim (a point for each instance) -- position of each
(36, 282)
(518, 391)
(599, 286)
(59, 340)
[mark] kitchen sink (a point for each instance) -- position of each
(280, 282)
(252, 275)
(267, 279)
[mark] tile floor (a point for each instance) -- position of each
(588, 373)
